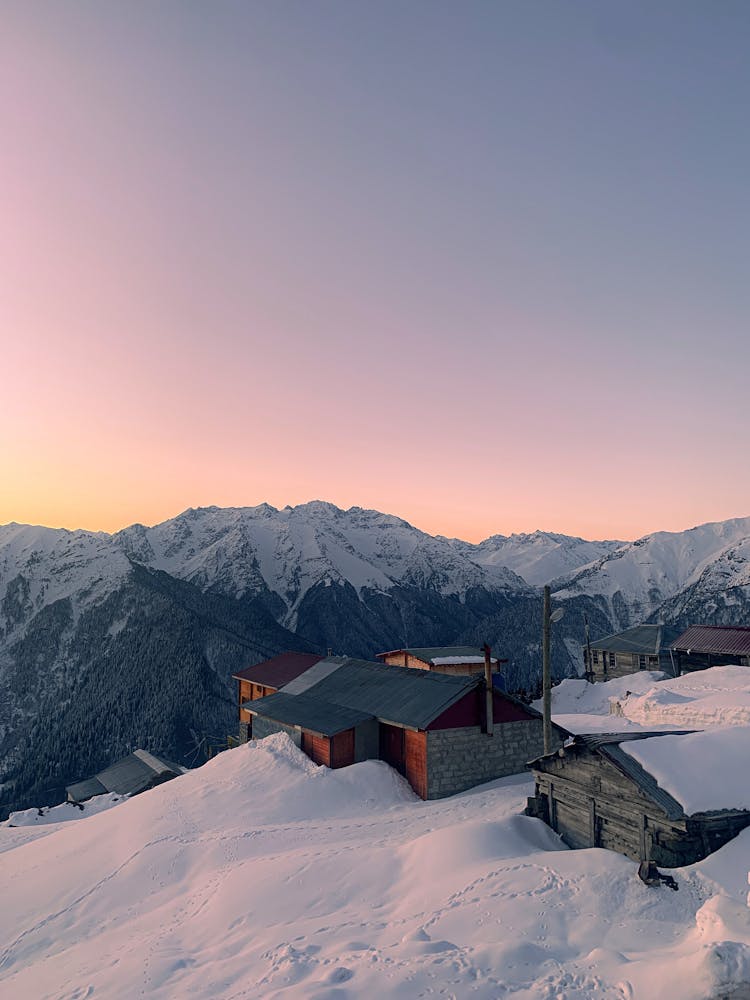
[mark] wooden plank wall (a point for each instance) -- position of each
(415, 752)
(317, 748)
(342, 749)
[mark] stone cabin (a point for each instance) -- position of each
(643, 647)
(595, 794)
(434, 728)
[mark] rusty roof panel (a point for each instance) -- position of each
(727, 640)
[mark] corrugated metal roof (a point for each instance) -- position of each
(128, 776)
(308, 712)
(86, 789)
(730, 640)
(400, 695)
(314, 674)
(279, 670)
(430, 653)
(641, 639)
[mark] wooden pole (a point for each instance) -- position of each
(489, 711)
(546, 679)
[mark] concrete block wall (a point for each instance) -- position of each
(244, 733)
(458, 759)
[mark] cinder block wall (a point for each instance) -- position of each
(266, 727)
(458, 759)
(244, 733)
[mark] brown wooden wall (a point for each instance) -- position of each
(317, 748)
(415, 761)
(248, 691)
(342, 749)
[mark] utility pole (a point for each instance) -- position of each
(589, 664)
(547, 620)
(546, 679)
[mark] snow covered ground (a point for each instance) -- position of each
(649, 700)
(263, 875)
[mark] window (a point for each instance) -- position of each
(596, 656)
(653, 661)
(642, 662)
(612, 660)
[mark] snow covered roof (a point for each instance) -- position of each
(704, 771)
(640, 639)
(443, 654)
(731, 640)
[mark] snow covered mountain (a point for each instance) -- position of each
(634, 582)
(98, 631)
(289, 552)
(540, 557)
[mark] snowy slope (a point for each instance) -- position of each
(640, 576)
(539, 557)
(246, 549)
(263, 876)
(39, 566)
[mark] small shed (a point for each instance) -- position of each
(642, 647)
(614, 791)
(443, 659)
(702, 646)
(431, 727)
(267, 677)
(133, 774)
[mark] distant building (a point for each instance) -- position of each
(133, 774)
(643, 647)
(435, 729)
(702, 646)
(266, 678)
(594, 794)
(461, 660)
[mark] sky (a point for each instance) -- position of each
(484, 265)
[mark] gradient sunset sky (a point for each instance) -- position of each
(485, 265)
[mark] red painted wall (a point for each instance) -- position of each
(469, 711)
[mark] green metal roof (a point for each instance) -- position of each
(400, 695)
(308, 712)
(641, 639)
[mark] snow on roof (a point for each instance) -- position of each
(703, 771)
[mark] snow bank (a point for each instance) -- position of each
(261, 875)
(716, 697)
(703, 771)
(65, 812)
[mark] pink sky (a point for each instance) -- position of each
(242, 265)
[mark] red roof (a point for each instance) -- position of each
(729, 640)
(279, 670)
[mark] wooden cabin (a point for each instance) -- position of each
(462, 660)
(643, 647)
(265, 678)
(434, 728)
(702, 646)
(595, 794)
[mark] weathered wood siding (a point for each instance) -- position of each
(409, 660)
(590, 803)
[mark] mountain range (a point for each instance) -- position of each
(108, 642)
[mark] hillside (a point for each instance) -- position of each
(261, 875)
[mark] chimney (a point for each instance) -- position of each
(488, 689)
